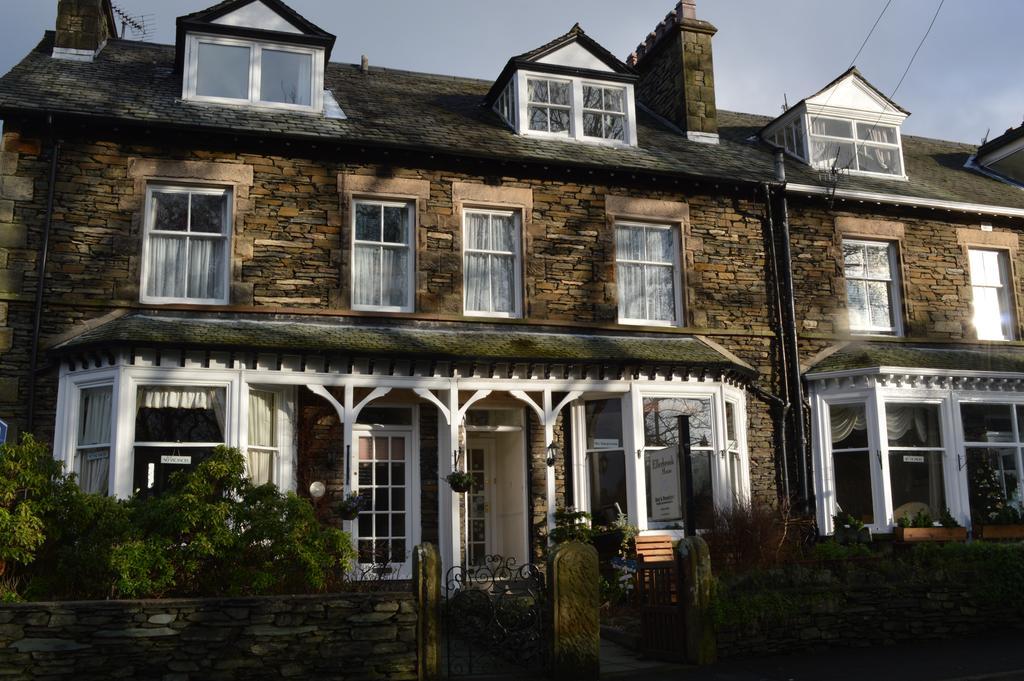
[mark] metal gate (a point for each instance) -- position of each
(494, 619)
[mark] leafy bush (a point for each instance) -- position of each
(752, 537)
(212, 533)
(572, 525)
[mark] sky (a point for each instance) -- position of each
(964, 82)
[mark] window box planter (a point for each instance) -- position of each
(917, 534)
(999, 531)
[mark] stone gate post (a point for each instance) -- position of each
(575, 623)
(701, 645)
(426, 568)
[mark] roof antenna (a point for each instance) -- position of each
(141, 25)
(785, 103)
(364, 64)
(984, 140)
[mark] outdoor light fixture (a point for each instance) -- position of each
(317, 490)
(552, 453)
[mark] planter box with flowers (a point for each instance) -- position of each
(921, 528)
(995, 532)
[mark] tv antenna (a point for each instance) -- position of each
(140, 25)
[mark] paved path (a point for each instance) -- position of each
(995, 658)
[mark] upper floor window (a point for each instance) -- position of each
(186, 245)
(647, 263)
(550, 105)
(991, 287)
(382, 256)
(229, 70)
(492, 263)
(604, 112)
(855, 145)
(872, 287)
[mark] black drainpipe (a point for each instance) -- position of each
(795, 381)
(41, 279)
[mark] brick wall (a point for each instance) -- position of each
(344, 636)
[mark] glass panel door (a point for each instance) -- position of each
(383, 529)
(478, 540)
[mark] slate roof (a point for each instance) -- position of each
(864, 355)
(134, 82)
(410, 340)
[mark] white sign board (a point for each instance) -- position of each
(913, 458)
(663, 476)
(606, 443)
(177, 460)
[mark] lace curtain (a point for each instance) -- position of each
(262, 435)
(159, 397)
(186, 268)
(490, 277)
(94, 429)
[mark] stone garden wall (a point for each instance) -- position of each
(345, 636)
(862, 616)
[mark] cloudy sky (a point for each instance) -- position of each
(965, 80)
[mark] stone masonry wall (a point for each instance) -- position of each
(865, 616)
(290, 252)
(344, 636)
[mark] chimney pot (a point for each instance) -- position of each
(364, 64)
(689, 8)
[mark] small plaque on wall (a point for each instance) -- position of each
(913, 458)
(176, 460)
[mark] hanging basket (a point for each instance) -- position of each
(460, 482)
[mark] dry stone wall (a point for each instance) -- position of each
(345, 636)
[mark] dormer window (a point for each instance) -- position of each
(849, 126)
(233, 71)
(253, 52)
(571, 88)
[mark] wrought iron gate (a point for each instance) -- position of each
(494, 619)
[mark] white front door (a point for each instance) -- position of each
(384, 530)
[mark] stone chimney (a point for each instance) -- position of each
(83, 28)
(677, 75)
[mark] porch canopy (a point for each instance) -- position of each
(889, 356)
(452, 365)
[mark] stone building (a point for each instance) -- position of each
(370, 278)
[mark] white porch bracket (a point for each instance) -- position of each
(548, 415)
(429, 396)
(348, 413)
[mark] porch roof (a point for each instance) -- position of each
(882, 354)
(409, 340)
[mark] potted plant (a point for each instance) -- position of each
(1006, 522)
(921, 527)
(614, 540)
(850, 530)
(460, 481)
(350, 505)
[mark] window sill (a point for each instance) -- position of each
(258, 106)
(202, 302)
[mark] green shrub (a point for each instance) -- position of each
(212, 533)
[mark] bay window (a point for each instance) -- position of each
(851, 461)
(93, 443)
(605, 460)
(382, 256)
(264, 444)
(646, 258)
(872, 287)
(492, 263)
(187, 237)
(916, 477)
(176, 428)
(993, 439)
(991, 286)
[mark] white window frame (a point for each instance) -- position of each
(604, 112)
(677, 271)
(409, 205)
(1004, 293)
(65, 437)
(256, 48)
(148, 232)
(284, 450)
(517, 266)
(521, 105)
(875, 398)
(633, 447)
(1005, 399)
(413, 514)
(894, 282)
(855, 124)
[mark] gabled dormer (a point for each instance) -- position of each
(571, 88)
(849, 125)
(253, 52)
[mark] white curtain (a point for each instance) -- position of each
(661, 299)
(394, 270)
(366, 284)
(161, 397)
(631, 291)
(166, 269)
(205, 270)
(502, 283)
(900, 418)
(94, 429)
(262, 435)
(846, 419)
(477, 283)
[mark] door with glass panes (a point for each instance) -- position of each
(480, 530)
(384, 527)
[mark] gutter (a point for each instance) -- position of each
(55, 148)
(912, 201)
